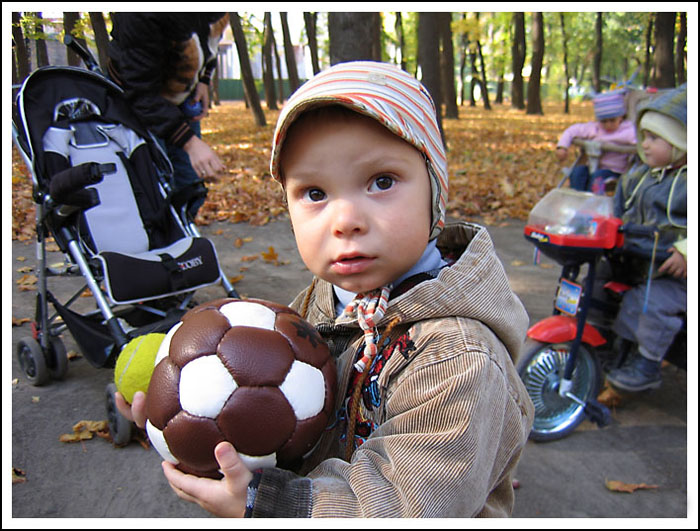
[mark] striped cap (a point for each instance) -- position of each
(609, 105)
(387, 94)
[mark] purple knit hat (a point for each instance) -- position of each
(609, 105)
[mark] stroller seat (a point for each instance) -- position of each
(131, 232)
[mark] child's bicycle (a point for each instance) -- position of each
(561, 361)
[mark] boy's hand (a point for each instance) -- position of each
(675, 265)
(225, 497)
(562, 152)
(136, 412)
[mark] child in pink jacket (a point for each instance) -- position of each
(610, 126)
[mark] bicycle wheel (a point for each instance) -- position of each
(541, 368)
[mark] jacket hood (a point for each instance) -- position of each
(474, 287)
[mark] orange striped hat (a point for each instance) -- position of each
(389, 95)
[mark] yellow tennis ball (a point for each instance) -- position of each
(135, 364)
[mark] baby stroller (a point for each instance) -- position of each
(100, 184)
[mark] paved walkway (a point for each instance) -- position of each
(646, 443)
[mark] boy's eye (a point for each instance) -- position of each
(383, 182)
(315, 194)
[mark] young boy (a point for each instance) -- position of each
(654, 194)
(431, 414)
(610, 126)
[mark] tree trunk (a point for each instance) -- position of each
(398, 27)
(70, 19)
(97, 21)
(598, 55)
(21, 54)
(351, 37)
(310, 24)
(429, 61)
(278, 65)
(647, 51)
(474, 76)
(566, 64)
(463, 66)
(447, 65)
(289, 56)
(246, 70)
(534, 102)
(482, 79)
(517, 92)
(268, 77)
(42, 52)
(663, 50)
(680, 50)
(499, 88)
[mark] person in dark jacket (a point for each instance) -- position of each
(654, 194)
(164, 62)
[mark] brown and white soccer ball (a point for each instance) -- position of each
(250, 372)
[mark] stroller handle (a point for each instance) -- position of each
(82, 52)
(68, 186)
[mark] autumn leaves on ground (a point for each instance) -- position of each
(500, 163)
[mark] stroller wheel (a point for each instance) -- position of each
(541, 369)
(31, 359)
(119, 426)
(58, 358)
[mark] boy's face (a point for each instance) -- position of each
(657, 151)
(611, 124)
(359, 200)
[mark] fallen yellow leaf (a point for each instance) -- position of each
(619, 486)
(18, 475)
(85, 429)
(270, 255)
(609, 397)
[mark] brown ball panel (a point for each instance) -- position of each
(163, 396)
(192, 440)
(257, 421)
(198, 336)
(213, 474)
(330, 375)
(255, 356)
(307, 343)
(305, 437)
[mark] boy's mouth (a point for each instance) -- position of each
(350, 264)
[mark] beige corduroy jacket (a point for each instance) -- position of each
(451, 417)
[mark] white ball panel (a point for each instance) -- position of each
(258, 461)
(305, 389)
(205, 385)
(164, 348)
(249, 314)
(158, 441)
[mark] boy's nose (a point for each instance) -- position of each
(348, 218)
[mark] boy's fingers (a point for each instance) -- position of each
(231, 465)
(138, 409)
(122, 406)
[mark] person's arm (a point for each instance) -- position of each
(143, 43)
